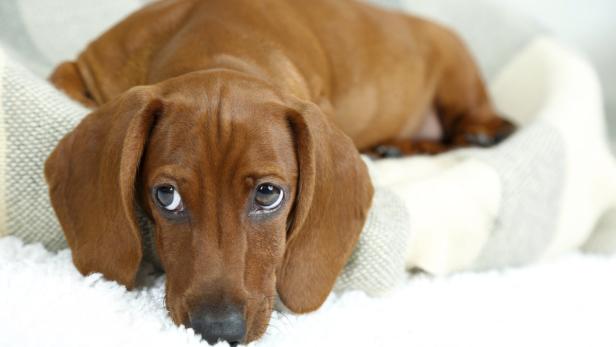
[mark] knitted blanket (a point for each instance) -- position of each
(33, 118)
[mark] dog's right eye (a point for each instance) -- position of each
(268, 196)
(168, 198)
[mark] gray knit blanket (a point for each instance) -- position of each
(33, 118)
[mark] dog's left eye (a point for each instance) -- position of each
(268, 196)
(169, 198)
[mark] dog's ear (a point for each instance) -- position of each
(91, 176)
(68, 78)
(333, 196)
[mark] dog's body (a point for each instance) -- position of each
(243, 103)
(376, 73)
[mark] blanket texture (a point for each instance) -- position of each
(44, 301)
(33, 118)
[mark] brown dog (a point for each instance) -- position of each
(241, 144)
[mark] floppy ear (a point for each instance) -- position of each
(91, 177)
(332, 201)
(68, 78)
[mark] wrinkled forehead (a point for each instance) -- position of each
(229, 128)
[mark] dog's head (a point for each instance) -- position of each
(252, 194)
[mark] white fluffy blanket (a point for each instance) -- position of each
(44, 301)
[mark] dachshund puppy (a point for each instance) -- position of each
(235, 127)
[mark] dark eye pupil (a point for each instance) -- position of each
(165, 195)
(267, 195)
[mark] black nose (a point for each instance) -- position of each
(225, 324)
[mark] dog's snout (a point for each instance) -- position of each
(225, 324)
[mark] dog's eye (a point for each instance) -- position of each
(268, 196)
(169, 198)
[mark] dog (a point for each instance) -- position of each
(236, 127)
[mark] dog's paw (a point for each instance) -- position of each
(402, 148)
(384, 151)
(483, 134)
